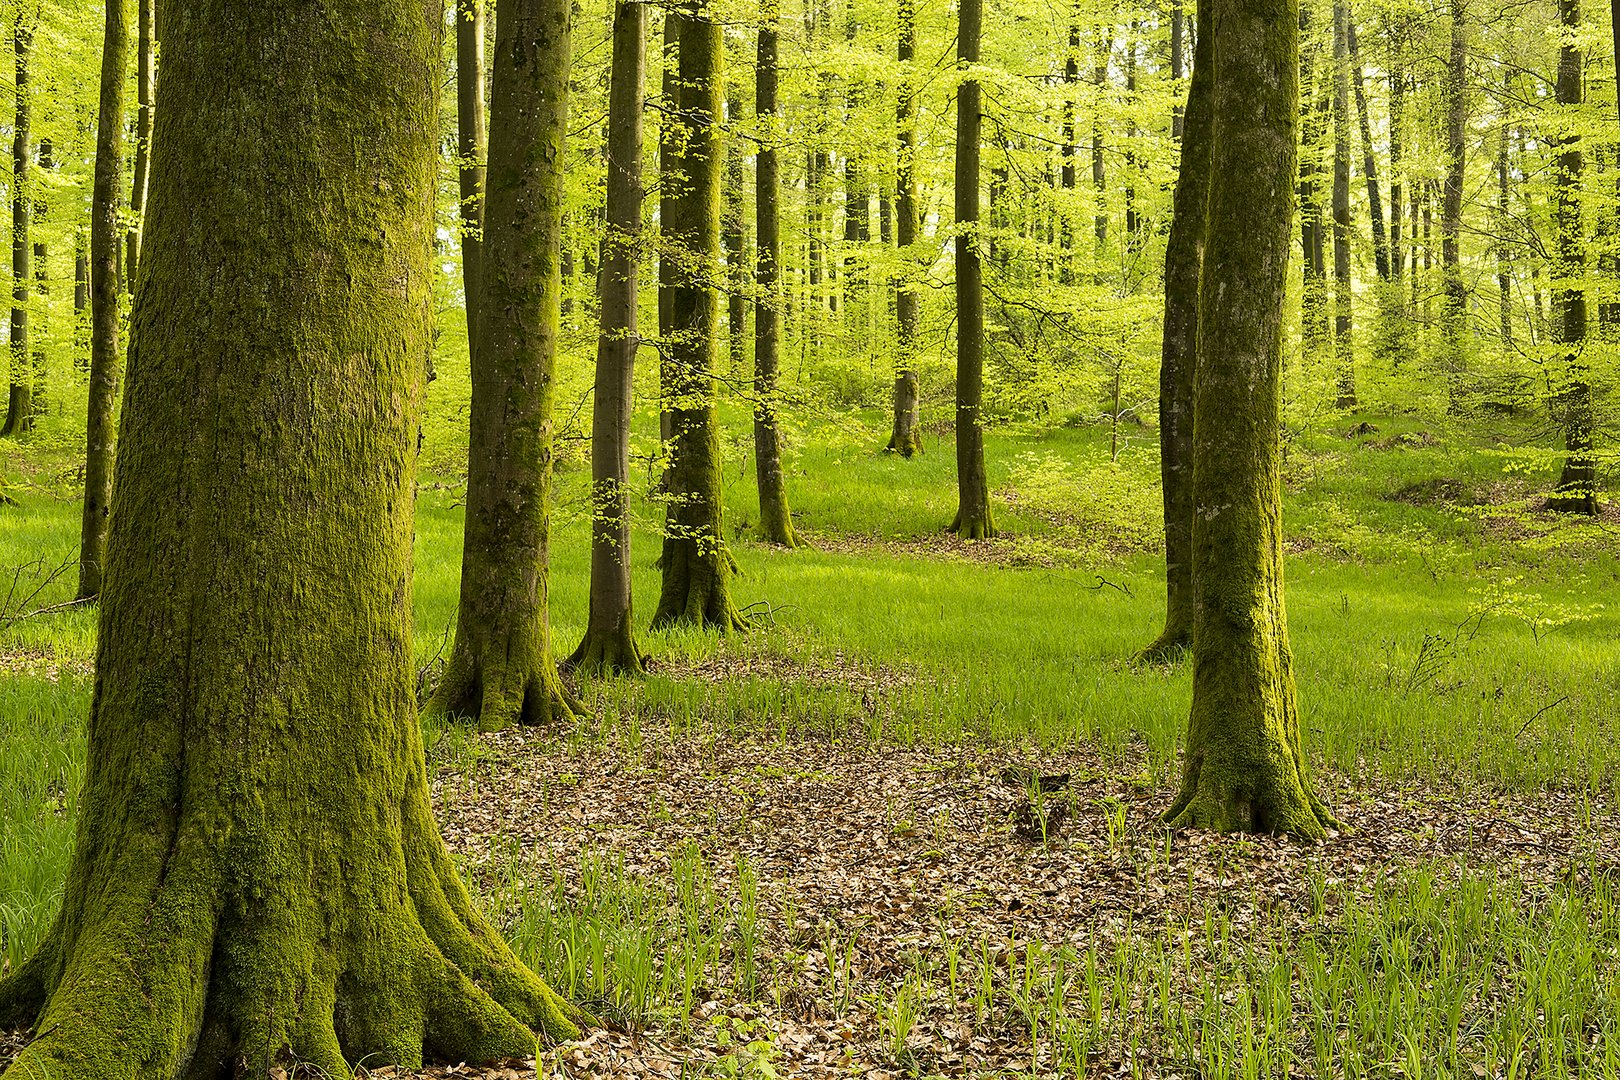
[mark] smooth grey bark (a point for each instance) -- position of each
(145, 102)
(472, 153)
(20, 403)
(1456, 291)
(1343, 286)
(1577, 482)
(905, 437)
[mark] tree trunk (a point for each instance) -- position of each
(145, 98)
(1577, 484)
(857, 210)
(1133, 219)
(81, 302)
(974, 519)
(1244, 769)
(1456, 292)
(1369, 159)
(42, 286)
(610, 644)
(1397, 134)
(257, 874)
(103, 297)
(1183, 263)
(1102, 48)
(1504, 268)
(1315, 324)
(906, 437)
(1343, 288)
(697, 567)
(1071, 84)
(1178, 67)
(472, 155)
(734, 238)
(20, 405)
(501, 668)
(670, 182)
(775, 521)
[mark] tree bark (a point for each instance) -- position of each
(81, 302)
(1071, 85)
(472, 155)
(145, 101)
(697, 567)
(1244, 769)
(1397, 135)
(1369, 158)
(501, 669)
(20, 404)
(734, 238)
(257, 874)
(1183, 264)
(1315, 321)
(1456, 292)
(974, 519)
(1343, 287)
(1577, 483)
(103, 297)
(906, 437)
(1102, 48)
(775, 520)
(42, 286)
(610, 644)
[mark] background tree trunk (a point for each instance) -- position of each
(734, 237)
(1456, 292)
(610, 643)
(472, 153)
(1344, 353)
(1577, 483)
(257, 871)
(1244, 769)
(145, 101)
(103, 297)
(974, 520)
(501, 669)
(20, 405)
(1369, 156)
(906, 437)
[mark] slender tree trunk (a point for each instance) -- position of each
(906, 438)
(20, 405)
(1315, 320)
(1183, 263)
(1178, 66)
(775, 520)
(102, 297)
(1244, 768)
(1071, 84)
(1133, 220)
(1504, 269)
(1397, 135)
(1577, 484)
(472, 153)
(610, 644)
(1102, 50)
(734, 238)
(697, 567)
(81, 302)
(1343, 287)
(257, 876)
(857, 215)
(145, 101)
(501, 668)
(1456, 292)
(42, 286)
(1369, 158)
(974, 519)
(670, 183)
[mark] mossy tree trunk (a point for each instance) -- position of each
(1183, 261)
(610, 644)
(696, 566)
(1577, 483)
(1244, 769)
(20, 403)
(103, 296)
(1344, 352)
(974, 519)
(501, 668)
(145, 101)
(472, 153)
(257, 872)
(775, 520)
(905, 438)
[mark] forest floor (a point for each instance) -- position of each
(908, 826)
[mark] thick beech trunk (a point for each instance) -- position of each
(1343, 286)
(1244, 769)
(257, 873)
(610, 643)
(906, 437)
(696, 565)
(103, 297)
(501, 668)
(472, 153)
(145, 100)
(775, 521)
(20, 403)
(1577, 483)
(974, 519)
(1183, 262)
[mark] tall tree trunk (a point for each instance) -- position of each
(501, 668)
(775, 520)
(734, 238)
(974, 519)
(472, 153)
(1071, 84)
(257, 875)
(42, 285)
(1504, 268)
(1102, 52)
(1577, 484)
(696, 565)
(1343, 288)
(857, 211)
(1397, 135)
(1178, 66)
(81, 302)
(20, 405)
(1369, 159)
(670, 182)
(1315, 319)
(906, 438)
(1456, 292)
(145, 101)
(610, 643)
(1133, 220)
(103, 296)
(1244, 768)
(1183, 264)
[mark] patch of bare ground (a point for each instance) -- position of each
(36, 663)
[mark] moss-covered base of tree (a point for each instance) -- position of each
(907, 442)
(1576, 492)
(183, 968)
(1169, 647)
(498, 692)
(1226, 796)
(697, 587)
(609, 651)
(777, 528)
(977, 524)
(20, 412)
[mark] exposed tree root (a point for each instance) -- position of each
(609, 652)
(975, 526)
(1168, 648)
(498, 693)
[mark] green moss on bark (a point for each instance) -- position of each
(257, 872)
